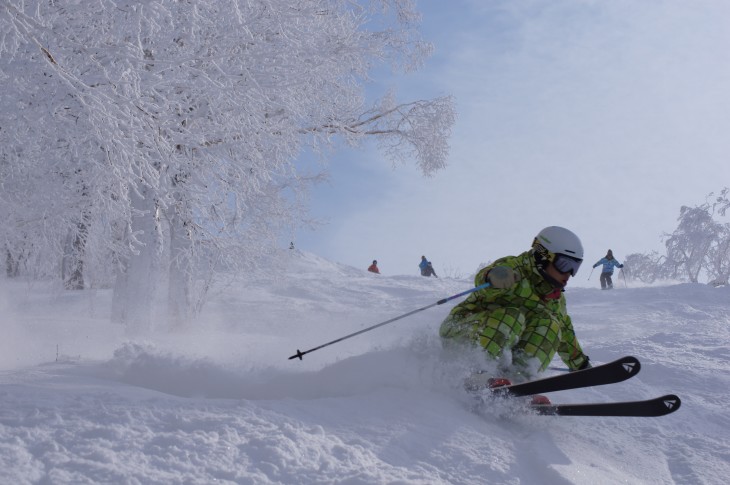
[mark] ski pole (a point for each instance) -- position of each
(589, 276)
(301, 354)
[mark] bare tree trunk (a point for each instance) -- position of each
(72, 264)
(136, 283)
(120, 298)
(180, 269)
(12, 264)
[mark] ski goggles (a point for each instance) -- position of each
(566, 264)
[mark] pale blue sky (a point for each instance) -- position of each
(603, 117)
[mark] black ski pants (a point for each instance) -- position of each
(606, 281)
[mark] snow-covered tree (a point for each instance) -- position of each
(722, 201)
(700, 245)
(169, 129)
(718, 256)
(646, 268)
(688, 246)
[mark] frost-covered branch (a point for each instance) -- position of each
(174, 127)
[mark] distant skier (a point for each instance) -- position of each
(522, 320)
(430, 271)
(426, 267)
(373, 268)
(608, 264)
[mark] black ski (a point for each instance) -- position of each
(651, 408)
(616, 371)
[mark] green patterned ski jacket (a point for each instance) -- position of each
(529, 318)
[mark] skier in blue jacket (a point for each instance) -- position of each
(608, 264)
(426, 267)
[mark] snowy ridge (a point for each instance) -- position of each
(221, 402)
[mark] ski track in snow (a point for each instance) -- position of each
(221, 403)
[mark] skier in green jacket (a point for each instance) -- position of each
(521, 319)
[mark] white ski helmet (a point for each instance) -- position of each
(559, 240)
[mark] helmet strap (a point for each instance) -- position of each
(553, 282)
(543, 258)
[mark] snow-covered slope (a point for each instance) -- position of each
(222, 403)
